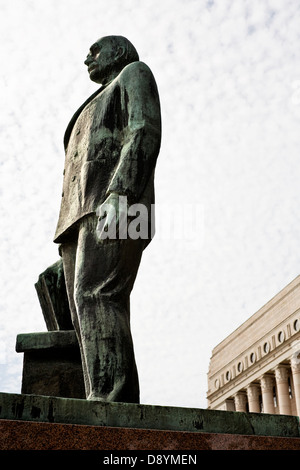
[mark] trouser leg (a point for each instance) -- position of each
(68, 253)
(104, 274)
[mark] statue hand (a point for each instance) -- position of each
(110, 213)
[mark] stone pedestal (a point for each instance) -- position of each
(52, 364)
(31, 422)
(47, 409)
(176, 446)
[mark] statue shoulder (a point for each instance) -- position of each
(134, 72)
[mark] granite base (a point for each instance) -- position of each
(33, 422)
(24, 435)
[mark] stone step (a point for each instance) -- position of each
(37, 408)
(113, 445)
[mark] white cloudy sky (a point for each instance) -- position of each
(228, 73)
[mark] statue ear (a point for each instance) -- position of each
(119, 52)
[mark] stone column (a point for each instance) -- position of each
(253, 391)
(284, 401)
(240, 401)
(267, 384)
(295, 365)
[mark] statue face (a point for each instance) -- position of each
(100, 61)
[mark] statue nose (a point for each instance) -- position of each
(88, 60)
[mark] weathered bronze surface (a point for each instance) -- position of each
(139, 416)
(51, 291)
(111, 148)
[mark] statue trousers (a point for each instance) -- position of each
(99, 277)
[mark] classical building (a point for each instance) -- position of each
(257, 367)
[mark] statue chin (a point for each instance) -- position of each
(95, 77)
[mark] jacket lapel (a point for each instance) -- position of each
(75, 117)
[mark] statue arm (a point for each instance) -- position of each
(142, 135)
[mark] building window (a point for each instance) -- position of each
(281, 336)
(240, 367)
(228, 375)
(290, 388)
(261, 404)
(266, 347)
(296, 325)
(274, 397)
(252, 358)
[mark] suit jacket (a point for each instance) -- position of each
(111, 146)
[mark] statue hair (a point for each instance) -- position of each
(130, 53)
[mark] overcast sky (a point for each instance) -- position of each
(228, 74)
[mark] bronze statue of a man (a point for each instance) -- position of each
(111, 148)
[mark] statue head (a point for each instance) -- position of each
(108, 56)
